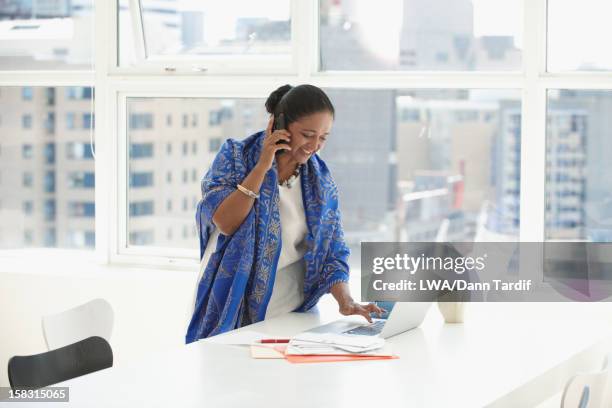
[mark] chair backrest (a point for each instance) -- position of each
(586, 391)
(94, 318)
(52, 367)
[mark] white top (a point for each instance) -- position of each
(288, 290)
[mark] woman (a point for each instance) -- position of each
(268, 183)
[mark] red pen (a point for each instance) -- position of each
(268, 341)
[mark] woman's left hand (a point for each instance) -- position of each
(353, 308)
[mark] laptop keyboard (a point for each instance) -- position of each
(369, 330)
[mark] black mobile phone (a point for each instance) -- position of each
(280, 123)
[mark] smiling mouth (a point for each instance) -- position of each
(306, 151)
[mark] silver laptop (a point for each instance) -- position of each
(402, 317)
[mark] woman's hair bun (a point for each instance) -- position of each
(275, 97)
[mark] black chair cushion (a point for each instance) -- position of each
(52, 367)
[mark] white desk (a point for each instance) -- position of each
(504, 355)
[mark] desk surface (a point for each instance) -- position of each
(504, 355)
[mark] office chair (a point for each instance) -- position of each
(52, 367)
(94, 318)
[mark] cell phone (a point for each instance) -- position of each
(280, 123)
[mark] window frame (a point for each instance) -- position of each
(112, 86)
(209, 65)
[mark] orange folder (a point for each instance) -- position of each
(328, 358)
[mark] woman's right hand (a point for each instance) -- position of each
(270, 146)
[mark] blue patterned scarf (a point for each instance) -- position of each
(237, 282)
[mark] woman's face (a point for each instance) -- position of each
(308, 135)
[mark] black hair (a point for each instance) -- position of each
(297, 102)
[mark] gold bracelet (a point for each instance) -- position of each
(247, 191)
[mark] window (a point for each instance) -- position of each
(70, 120)
(49, 123)
(578, 197)
(26, 121)
(454, 177)
(49, 153)
(141, 150)
(79, 93)
(414, 35)
(50, 96)
(138, 180)
(27, 151)
(188, 167)
(50, 35)
(79, 151)
(50, 181)
(81, 209)
(447, 90)
(208, 31)
(27, 93)
(87, 121)
(50, 237)
(28, 207)
(50, 210)
(585, 47)
(35, 173)
(81, 179)
(27, 179)
(141, 208)
(141, 121)
(214, 118)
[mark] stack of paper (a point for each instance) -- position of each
(325, 347)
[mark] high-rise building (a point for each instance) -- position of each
(445, 164)
(506, 170)
(47, 171)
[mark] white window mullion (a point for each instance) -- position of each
(303, 37)
(533, 133)
(119, 167)
(104, 21)
(357, 80)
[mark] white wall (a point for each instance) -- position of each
(152, 307)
